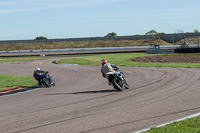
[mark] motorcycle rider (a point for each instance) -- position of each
(38, 70)
(106, 68)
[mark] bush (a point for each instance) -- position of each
(41, 38)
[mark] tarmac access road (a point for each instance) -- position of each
(83, 102)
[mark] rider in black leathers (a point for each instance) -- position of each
(37, 70)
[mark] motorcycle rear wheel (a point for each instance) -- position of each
(39, 82)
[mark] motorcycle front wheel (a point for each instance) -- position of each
(127, 86)
(116, 85)
(47, 82)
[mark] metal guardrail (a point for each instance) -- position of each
(85, 49)
(95, 49)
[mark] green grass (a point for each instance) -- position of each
(191, 125)
(27, 58)
(124, 59)
(7, 81)
(14, 59)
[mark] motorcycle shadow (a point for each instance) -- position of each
(100, 91)
(23, 89)
(42, 86)
(86, 92)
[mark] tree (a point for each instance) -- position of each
(196, 31)
(161, 33)
(111, 34)
(41, 38)
(151, 32)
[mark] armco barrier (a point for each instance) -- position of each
(159, 51)
(164, 48)
(76, 49)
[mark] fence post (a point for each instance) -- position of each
(6, 47)
(172, 39)
(184, 43)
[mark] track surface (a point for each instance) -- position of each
(82, 101)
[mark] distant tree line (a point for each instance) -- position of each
(151, 32)
(113, 34)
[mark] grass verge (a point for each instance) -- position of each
(124, 59)
(190, 125)
(28, 58)
(7, 81)
(14, 59)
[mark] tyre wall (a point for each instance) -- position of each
(187, 50)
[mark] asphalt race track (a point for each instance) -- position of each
(82, 101)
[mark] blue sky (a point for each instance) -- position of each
(27, 19)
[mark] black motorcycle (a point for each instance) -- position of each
(45, 79)
(118, 81)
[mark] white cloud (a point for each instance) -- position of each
(189, 9)
(9, 33)
(19, 10)
(82, 3)
(34, 5)
(12, 2)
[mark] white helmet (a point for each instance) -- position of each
(37, 69)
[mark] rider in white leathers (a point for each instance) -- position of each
(106, 68)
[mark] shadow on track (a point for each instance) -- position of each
(85, 92)
(21, 90)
